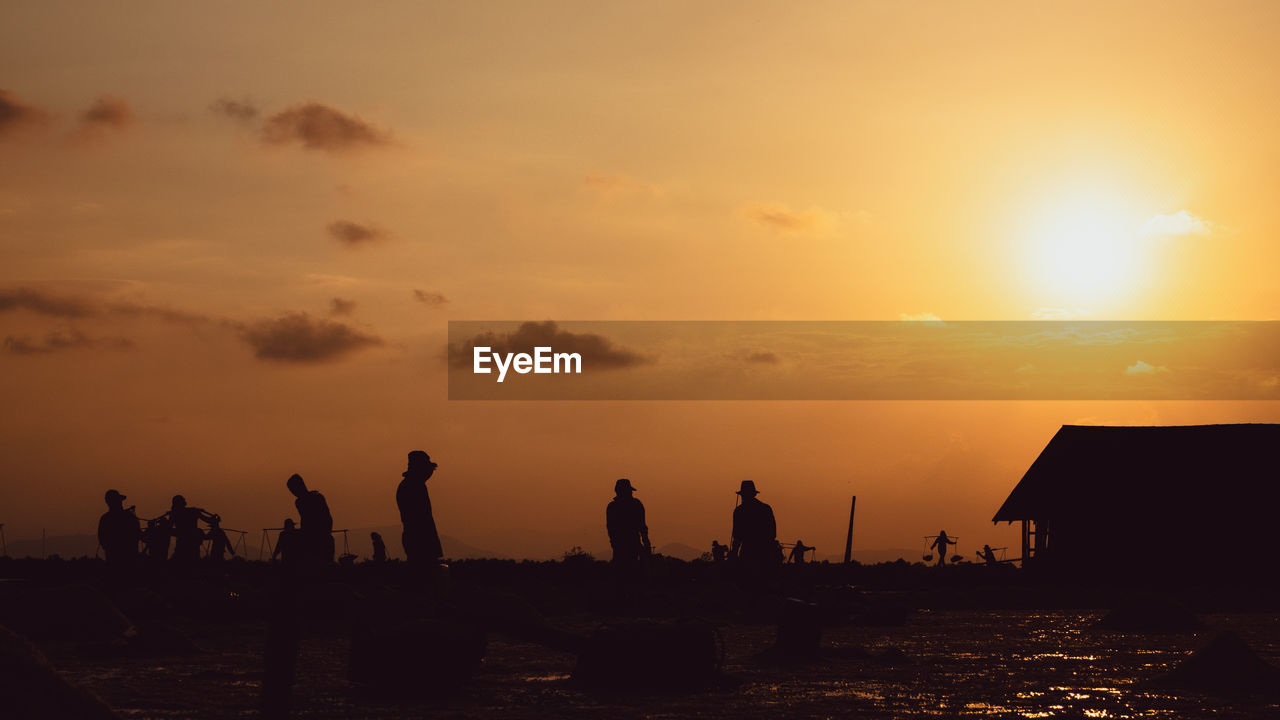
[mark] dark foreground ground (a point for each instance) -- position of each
(909, 642)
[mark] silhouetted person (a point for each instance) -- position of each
(287, 543)
(988, 555)
(420, 540)
(315, 523)
(941, 543)
(718, 551)
(797, 553)
(755, 533)
(186, 529)
(219, 545)
(624, 519)
(379, 548)
(118, 533)
(156, 538)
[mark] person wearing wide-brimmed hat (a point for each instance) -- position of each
(624, 519)
(420, 540)
(755, 533)
(119, 532)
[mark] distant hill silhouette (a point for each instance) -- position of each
(681, 551)
(67, 546)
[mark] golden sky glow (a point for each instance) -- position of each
(231, 236)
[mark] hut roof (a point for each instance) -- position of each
(1169, 471)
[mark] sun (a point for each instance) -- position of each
(1082, 249)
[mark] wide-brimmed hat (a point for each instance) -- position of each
(419, 461)
(114, 495)
(748, 488)
(623, 484)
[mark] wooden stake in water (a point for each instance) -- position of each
(848, 540)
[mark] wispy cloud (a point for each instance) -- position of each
(107, 112)
(36, 301)
(611, 185)
(352, 234)
(763, 358)
(340, 306)
(59, 341)
(292, 337)
(434, 299)
(597, 351)
(1176, 225)
(925, 317)
(239, 110)
(298, 338)
(16, 115)
(1142, 368)
(1048, 313)
(781, 217)
(317, 126)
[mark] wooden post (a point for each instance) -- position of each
(848, 540)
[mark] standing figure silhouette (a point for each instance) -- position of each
(420, 540)
(287, 543)
(219, 545)
(315, 521)
(628, 533)
(186, 530)
(379, 548)
(941, 543)
(755, 537)
(797, 553)
(118, 533)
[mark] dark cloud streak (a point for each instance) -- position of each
(16, 114)
(427, 297)
(240, 110)
(597, 352)
(107, 112)
(297, 338)
(58, 341)
(319, 127)
(23, 298)
(352, 234)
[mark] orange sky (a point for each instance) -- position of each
(178, 184)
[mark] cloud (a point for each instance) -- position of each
(23, 298)
(1047, 313)
(766, 358)
(166, 314)
(16, 115)
(352, 234)
(241, 110)
(36, 301)
(107, 112)
(1179, 224)
(619, 185)
(1141, 368)
(597, 352)
(434, 299)
(780, 217)
(292, 337)
(297, 338)
(927, 317)
(319, 127)
(58, 341)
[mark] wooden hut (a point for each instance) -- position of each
(1195, 502)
